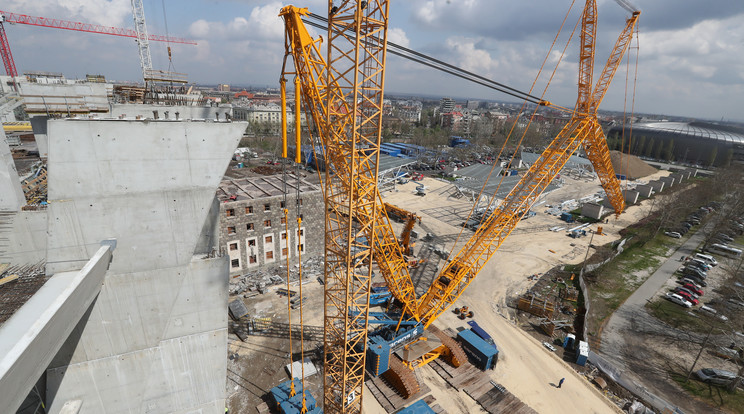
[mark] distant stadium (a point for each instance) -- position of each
(698, 143)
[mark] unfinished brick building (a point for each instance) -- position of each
(252, 225)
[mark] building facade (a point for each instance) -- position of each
(253, 229)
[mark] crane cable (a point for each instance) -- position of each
(445, 67)
(632, 109)
(503, 147)
(292, 391)
(171, 67)
(300, 246)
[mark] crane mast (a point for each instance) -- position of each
(357, 36)
(143, 42)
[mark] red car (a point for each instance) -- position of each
(687, 296)
(692, 288)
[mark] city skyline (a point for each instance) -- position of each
(690, 62)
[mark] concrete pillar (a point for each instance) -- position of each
(39, 127)
(644, 190)
(592, 210)
(631, 196)
(11, 192)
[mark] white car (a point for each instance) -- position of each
(679, 300)
(673, 234)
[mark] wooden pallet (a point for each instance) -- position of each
(493, 397)
(388, 398)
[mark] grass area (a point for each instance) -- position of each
(613, 283)
(716, 396)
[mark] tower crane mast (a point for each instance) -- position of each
(344, 96)
(143, 42)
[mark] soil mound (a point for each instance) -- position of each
(630, 165)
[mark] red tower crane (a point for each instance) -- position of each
(12, 18)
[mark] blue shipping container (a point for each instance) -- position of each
(482, 354)
(419, 407)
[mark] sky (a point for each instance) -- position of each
(689, 53)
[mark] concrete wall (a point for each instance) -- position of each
(156, 338)
(657, 185)
(592, 210)
(644, 190)
(11, 192)
(668, 181)
(35, 333)
(26, 235)
(184, 112)
(631, 196)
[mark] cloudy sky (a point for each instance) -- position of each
(690, 59)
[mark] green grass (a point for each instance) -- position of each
(679, 317)
(711, 394)
(613, 283)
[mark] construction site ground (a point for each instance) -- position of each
(525, 368)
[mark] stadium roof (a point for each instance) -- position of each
(695, 129)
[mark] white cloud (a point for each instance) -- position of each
(469, 56)
(117, 13)
(262, 23)
(398, 36)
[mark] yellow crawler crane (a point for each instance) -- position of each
(344, 98)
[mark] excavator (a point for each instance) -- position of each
(343, 95)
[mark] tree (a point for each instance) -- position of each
(649, 148)
(659, 150)
(712, 156)
(669, 150)
(728, 158)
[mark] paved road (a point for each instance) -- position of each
(649, 288)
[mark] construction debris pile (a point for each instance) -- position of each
(630, 166)
(259, 281)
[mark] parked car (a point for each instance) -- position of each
(696, 280)
(679, 300)
(686, 296)
(690, 271)
(673, 234)
(693, 288)
(715, 376)
(696, 267)
(700, 263)
(688, 291)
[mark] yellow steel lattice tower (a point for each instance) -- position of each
(357, 36)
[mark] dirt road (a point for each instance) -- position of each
(525, 367)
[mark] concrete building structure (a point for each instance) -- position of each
(155, 337)
(446, 105)
(252, 228)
